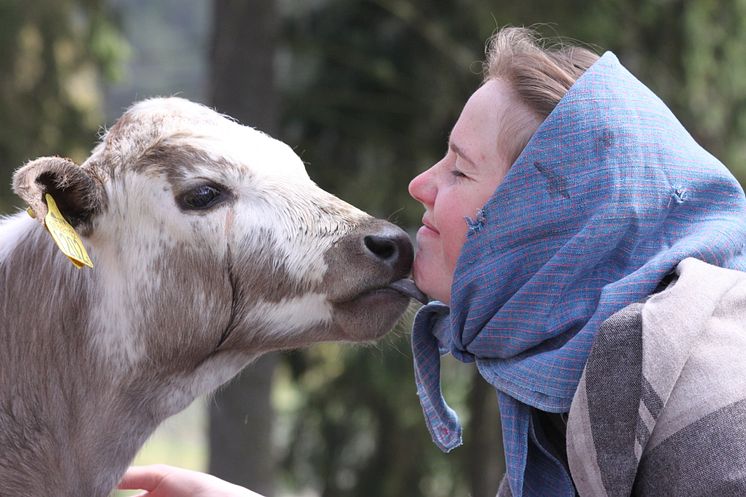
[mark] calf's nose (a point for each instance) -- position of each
(391, 247)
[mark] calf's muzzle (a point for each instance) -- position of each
(392, 248)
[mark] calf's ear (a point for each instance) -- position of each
(77, 193)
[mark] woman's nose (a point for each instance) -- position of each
(421, 188)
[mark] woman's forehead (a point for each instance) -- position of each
(476, 133)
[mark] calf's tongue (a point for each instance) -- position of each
(408, 288)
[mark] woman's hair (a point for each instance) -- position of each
(539, 73)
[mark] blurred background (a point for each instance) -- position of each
(366, 92)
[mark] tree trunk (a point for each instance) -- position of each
(485, 461)
(241, 448)
(242, 85)
(242, 54)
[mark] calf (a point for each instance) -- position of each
(210, 245)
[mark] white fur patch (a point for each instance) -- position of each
(208, 377)
(284, 228)
(130, 238)
(12, 229)
(292, 315)
(115, 313)
(222, 137)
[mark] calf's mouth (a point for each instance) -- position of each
(368, 279)
(407, 287)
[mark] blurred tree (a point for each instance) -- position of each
(242, 84)
(359, 77)
(52, 56)
(169, 44)
(357, 428)
(691, 54)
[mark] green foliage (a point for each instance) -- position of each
(355, 427)
(52, 53)
(370, 104)
(714, 77)
(166, 48)
(691, 54)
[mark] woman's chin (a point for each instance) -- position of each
(431, 290)
(430, 275)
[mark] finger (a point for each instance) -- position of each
(143, 477)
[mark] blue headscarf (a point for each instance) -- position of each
(609, 195)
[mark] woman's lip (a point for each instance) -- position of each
(426, 224)
(425, 229)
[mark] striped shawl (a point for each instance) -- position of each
(661, 406)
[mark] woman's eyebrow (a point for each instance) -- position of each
(461, 153)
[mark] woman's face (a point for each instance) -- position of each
(460, 184)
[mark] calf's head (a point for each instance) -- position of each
(208, 238)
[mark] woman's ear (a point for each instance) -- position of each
(77, 193)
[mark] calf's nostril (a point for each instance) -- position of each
(392, 249)
(382, 247)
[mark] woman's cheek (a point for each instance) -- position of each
(452, 249)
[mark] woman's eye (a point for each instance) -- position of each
(457, 174)
(202, 197)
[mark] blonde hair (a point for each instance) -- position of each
(539, 74)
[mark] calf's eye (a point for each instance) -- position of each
(201, 197)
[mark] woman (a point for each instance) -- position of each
(580, 249)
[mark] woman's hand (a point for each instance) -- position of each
(160, 480)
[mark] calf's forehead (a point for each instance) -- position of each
(173, 122)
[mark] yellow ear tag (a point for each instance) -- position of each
(65, 236)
